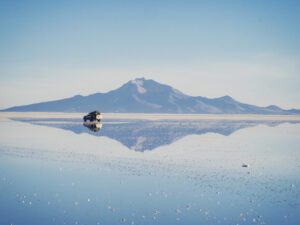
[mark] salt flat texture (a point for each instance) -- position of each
(78, 178)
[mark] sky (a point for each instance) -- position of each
(56, 49)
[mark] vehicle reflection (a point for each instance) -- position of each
(93, 126)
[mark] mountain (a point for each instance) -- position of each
(148, 96)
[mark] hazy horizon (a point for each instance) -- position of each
(57, 49)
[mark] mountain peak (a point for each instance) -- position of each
(139, 83)
(273, 107)
(139, 79)
(226, 98)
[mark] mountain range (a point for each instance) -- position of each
(148, 96)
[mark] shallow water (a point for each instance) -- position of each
(57, 171)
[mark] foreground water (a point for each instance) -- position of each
(57, 171)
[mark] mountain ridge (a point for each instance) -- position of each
(148, 96)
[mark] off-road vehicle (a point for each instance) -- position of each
(93, 116)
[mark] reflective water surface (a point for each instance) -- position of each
(61, 171)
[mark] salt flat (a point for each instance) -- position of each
(144, 116)
(188, 172)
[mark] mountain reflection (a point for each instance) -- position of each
(147, 135)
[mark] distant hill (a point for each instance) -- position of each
(148, 96)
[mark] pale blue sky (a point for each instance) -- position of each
(55, 49)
